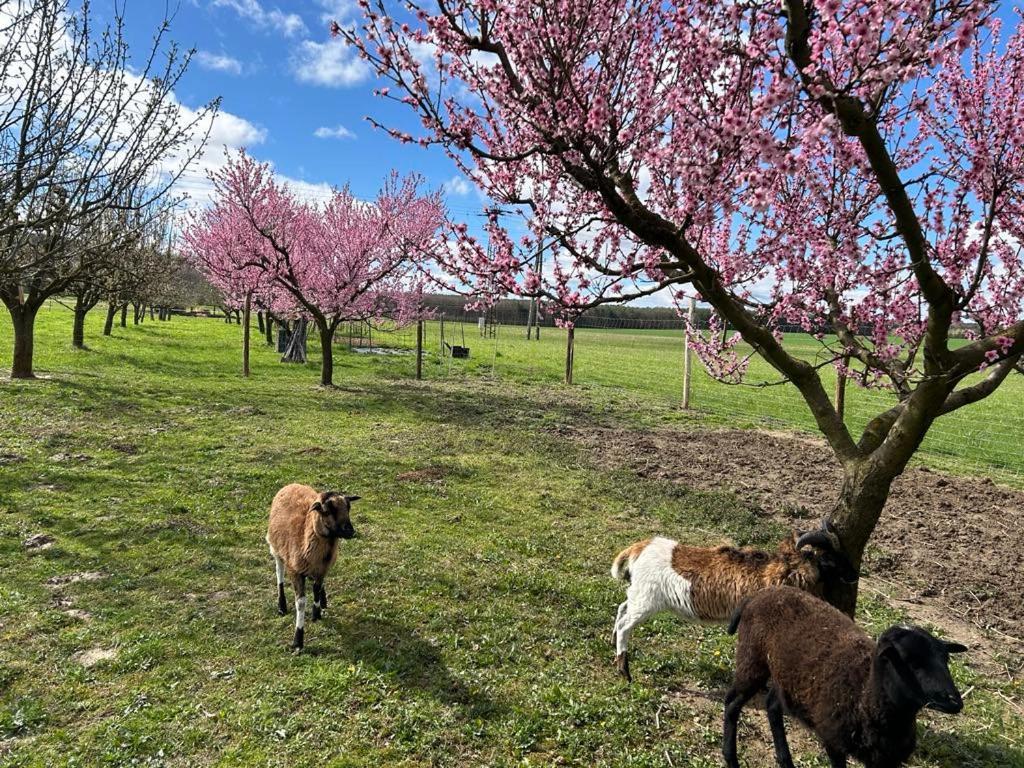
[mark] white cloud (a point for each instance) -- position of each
(307, 191)
(288, 24)
(456, 185)
(339, 132)
(219, 62)
(229, 133)
(337, 10)
(333, 63)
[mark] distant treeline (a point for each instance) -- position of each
(517, 312)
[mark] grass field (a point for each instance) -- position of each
(648, 364)
(470, 620)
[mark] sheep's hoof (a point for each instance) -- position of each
(282, 610)
(316, 615)
(298, 642)
(622, 664)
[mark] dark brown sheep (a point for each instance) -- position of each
(303, 536)
(859, 697)
(707, 584)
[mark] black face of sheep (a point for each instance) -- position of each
(334, 509)
(833, 565)
(915, 669)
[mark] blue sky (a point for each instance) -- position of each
(291, 95)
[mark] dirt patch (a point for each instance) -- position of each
(65, 458)
(10, 458)
(128, 449)
(425, 475)
(94, 656)
(38, 541)
(73, 578)
(945, 540)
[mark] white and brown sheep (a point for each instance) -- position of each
(707, 584)
(859, 697)
(303, 535)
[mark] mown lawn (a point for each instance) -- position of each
(469, 622)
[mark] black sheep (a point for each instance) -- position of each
(860, 698)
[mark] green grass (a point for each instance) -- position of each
(648, 364)
(469, 622)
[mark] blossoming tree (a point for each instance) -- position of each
(347, 260)
(852, 166)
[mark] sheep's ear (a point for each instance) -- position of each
(955, 648)
(317, 506)
(902, 675)
(350, 499)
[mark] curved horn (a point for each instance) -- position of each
(815, 539)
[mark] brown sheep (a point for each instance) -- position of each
(860, 698)
(303, 536)
(707, 584)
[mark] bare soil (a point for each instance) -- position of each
(944, 545)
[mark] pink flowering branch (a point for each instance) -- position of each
(851, 166)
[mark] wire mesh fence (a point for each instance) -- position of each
(646, 358)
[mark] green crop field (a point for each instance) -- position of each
(470, 619)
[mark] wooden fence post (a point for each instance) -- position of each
(419, 350)
(841, 388)
(569, 353)
(686, 355)
(247, 315)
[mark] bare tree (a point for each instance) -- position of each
(82, 133)
(130, 258)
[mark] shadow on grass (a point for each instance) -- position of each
(956, 750)
(396, 650)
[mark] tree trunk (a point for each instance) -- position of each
(78, 328)
(136, 311)
(151, 312)
(108, 324)
(124, 315)
(295, 352)
(246, 317)
(270, 330)
(23, 317)
(862, 497)
(327, 354)
(259, 321)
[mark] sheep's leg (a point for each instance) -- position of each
(299, 584)
(318, 591)
(628, 619)
(621, 662)
(623, 607)
(734, 701)
(323, 596)
(282, 604)
(778, 725)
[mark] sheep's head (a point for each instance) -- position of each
(912, 669)
(334, 510)
(824, 547)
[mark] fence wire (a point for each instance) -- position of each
(647, 361)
